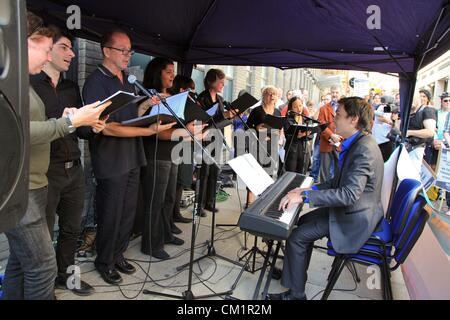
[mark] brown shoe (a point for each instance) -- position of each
(88, 241)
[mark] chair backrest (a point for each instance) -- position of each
(405, 239)
(404, 198)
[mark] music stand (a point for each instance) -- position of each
(188, 294)
(210, 243)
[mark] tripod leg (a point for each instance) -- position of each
(244, 267)
(255, 245)
(263, 271)
(269, 276)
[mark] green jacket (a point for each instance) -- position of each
(42, 132)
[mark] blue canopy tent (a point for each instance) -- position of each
(283, 34)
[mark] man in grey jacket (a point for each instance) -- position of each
(349, 205)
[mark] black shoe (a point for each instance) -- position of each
(176, 230)
(176, 241)
(181, 219)
(125, 267)
(202, 213)
(276, 273)
(111, 276)
(284, 296)
(161, 254)
(85, 288)
(210, 208)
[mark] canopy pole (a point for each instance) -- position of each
(432, 35)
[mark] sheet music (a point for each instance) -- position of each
(213, 110)
(251, 172)
(176, 102)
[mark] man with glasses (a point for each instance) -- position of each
(65, 173)
(329, 140)
(117, 155)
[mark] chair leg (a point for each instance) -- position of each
(387, 288)
(354, 272)
(388, 282)
(333, 267)
(337, 269)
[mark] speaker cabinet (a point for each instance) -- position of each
(14, 113)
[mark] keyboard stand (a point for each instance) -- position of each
(253, 252)
(264, 268)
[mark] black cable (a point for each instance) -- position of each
(151, 205)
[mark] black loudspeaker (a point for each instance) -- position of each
(14, 113)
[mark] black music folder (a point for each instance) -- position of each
(119, 100)
(274, 122)
(244, 102)
(216, 119)
(197, 113)
(294, 129)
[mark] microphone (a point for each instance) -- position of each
(133, 80)
(306, 117)
(193, 95)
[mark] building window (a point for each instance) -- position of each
(228, 88)
(249, 79)
(263, 77)
(198, 75)
(273, 77)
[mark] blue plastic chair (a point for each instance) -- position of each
(393, 238)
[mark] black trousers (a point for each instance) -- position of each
(176, 205)
(66, 199)
(208, 184)
(116, 200)
(298, 158)
(158, 212)
(311, 227)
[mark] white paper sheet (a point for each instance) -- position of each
(251, 172)
(388, 178)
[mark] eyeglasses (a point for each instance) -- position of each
(446, 100)
(124, 52)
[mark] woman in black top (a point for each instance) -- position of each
(159, 177)
(297, 156)
(214, 82)
(267, 135)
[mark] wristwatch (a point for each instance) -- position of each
(69, 123)
(305, 196)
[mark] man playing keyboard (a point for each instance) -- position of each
(349, 205)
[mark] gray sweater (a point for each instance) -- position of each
(42, 132)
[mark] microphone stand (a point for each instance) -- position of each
(211, 250)
(254, 250)
(188, 294)
(305, 141)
